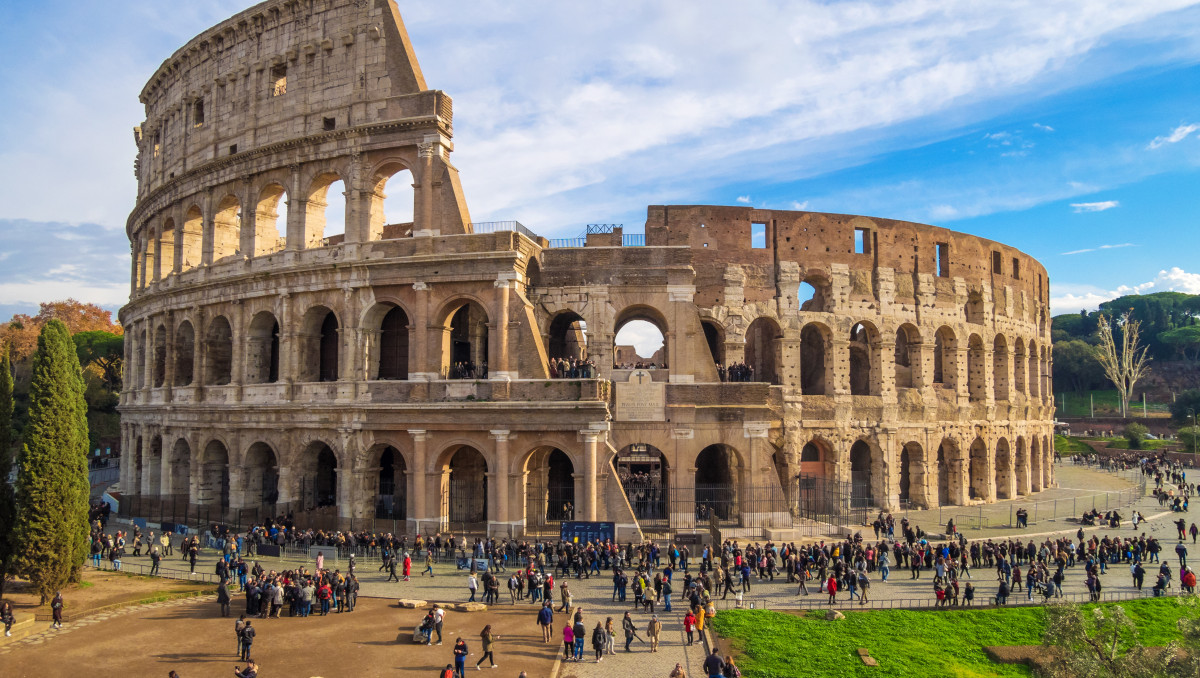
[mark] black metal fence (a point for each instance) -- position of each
(818, 600)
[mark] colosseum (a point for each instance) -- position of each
(317, 328)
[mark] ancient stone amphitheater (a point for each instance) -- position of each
(396, 366)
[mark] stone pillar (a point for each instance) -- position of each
(422, 365)
(500, 478)
(208, 232)
(297, 211)
(498, 369)
(169, 357)
(837, 367)
(885, 377)
(285, 485)
(423, 216)
(418, 483)
(591, 444)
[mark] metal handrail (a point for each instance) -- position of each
(497, 226)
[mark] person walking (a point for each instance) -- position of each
(7, 616)
(248, 634)
(238, 627)
(689, 626)
(407, 565)
(545, 619)
(1181, 551)
(831, 587)
(460, 658)
(56, 609)
(714, 665)
(489, 643)
(473, 586)
(223, 597)
(654, 632)
(629, 629)
(428, 564)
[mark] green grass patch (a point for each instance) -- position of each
(905, 642)
(1103, 403)
(85, 584)
(1123, 444)
(1071, 445)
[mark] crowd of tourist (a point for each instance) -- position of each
(572, 368)
(467, 370)
(735, 372)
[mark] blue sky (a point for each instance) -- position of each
(1069, 129)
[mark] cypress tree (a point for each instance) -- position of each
(7, 507)
(51, 530)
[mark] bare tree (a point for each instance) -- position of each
(1126, 364)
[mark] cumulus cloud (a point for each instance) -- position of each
(1069, 298)
(1081, 207)
(642, 335)
(87, 262)
(799, 206)
(1097, 249)
(1178, 134)
(1044, 128)
(744, 199)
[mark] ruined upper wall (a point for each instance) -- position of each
(281, 70)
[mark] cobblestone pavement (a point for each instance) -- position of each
(595, 594)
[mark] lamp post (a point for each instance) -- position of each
(1192, 415)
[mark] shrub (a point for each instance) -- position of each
(1135, 433)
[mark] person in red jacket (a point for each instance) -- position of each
(689, 625)
(831, 587)
(407, 566)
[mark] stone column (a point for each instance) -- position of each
(297, 211)
(498, 369)
(591, 443)
(422, 365)
(208, 231)
(423, 216)
(500, 478)
(418, 478)
(837, 367)
(169, 356)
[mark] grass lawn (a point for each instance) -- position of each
(1123, 444)
(1105, 403)
(1071, 445)
(906, 643)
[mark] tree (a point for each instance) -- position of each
(1075, 365)
(1126, 364)
(1135, 433)
(1098, 642)
(106, 351)
(1188, 400)
(1185, 340)
(51, 529)
(7, 505)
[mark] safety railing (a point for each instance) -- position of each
(497, 226)
(818, 600)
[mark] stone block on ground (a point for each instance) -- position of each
(468, 607)
(411, 604)
(831, 615)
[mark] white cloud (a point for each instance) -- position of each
(1081, 207)
(1044, 128)
(1097, 249)
(799, 206)
(1178, 134)
(745, 199)
(1072, 298)
(642, 335)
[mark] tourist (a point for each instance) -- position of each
(580, 633)
(6, 616)
(599, 642)
(678, 672)
(629, 629)
(223, 597)
(714, 665)
(610, 635)
(489, 641)
(473, 586)
(439, 619)
(568, 641)
(731, 669)
(689, 626)
(251, 670)
(545, 619)
(654, 632)
(460, 657)
(248, 634)
(56, 609)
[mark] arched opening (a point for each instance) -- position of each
(393, 345)
(191, 239)
(976, 369)
(165, 262)
(325, 211)
(912, 475)
(949, 467)
(319, 345)
(185, 354)
(640, 340)
(1019, 364)
(213, 489)
(763, 346)
(392, 203)
(568, 337)
(270, 220)
(716, 483)
(218, 349)
(1021, 467)
(812, 360)
(980, 482)
(160, 356)
(818, 493)
(560, 486)
(262, 346)
(465, 344)
(154, 466)
(714, 336)
(260, 473)
(179, 466)
(862, 364)
(945, 358)
(860, 475)
(391, 499)
(1000, 368)
(644, 474)
(1034, 372)
(1005, 480)
(150, 258)
(908, 356)
(319, 476)
(533, 276)
(466, 486)
(974, 308)
(227, 228)
(813, 295)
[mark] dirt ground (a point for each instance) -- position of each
(374, 640)
(101, 588)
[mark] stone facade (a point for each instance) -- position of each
(402, 370)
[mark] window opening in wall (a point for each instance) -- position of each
(330, 124)
(399, 197)
(862, 241)
(758, 235)
(233, 149)
(1039, 287)
(278, 80)
(157, 143)
(1016, 269)
(943, 260)
(639, 344)
(198, 113)
(335, 212)
(997, 263)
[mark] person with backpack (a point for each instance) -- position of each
(248, 634)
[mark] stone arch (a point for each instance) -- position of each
(153, 466)
(387, 330)
(213, 486)
(864, 359)
(646, 314)
(218, 350)
(150, 240)
(1000, 368)
(945, 358)
(949, 473)
(191, 239)
(465, 339)
(533, 276)
(465, 480)
(1005, 478)
(160, 356)
(1021, 467)
(718, 471)
(227, 228)
(262, 349)
(318, 475)
(179, 469)
(319, 345)
(980, 479)
(392, 215)
(319, 229)
(764, 345)
(185, 354)
(861, 474)
(567, 336)
(976, 369)
(390, 479)
(714, 336)
(645, 475)
(912, 475)
(1019, 363)
(908, 356)
(260, 476)
(268, 236)
(550, 479)
(814, 359)
(164, 263)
